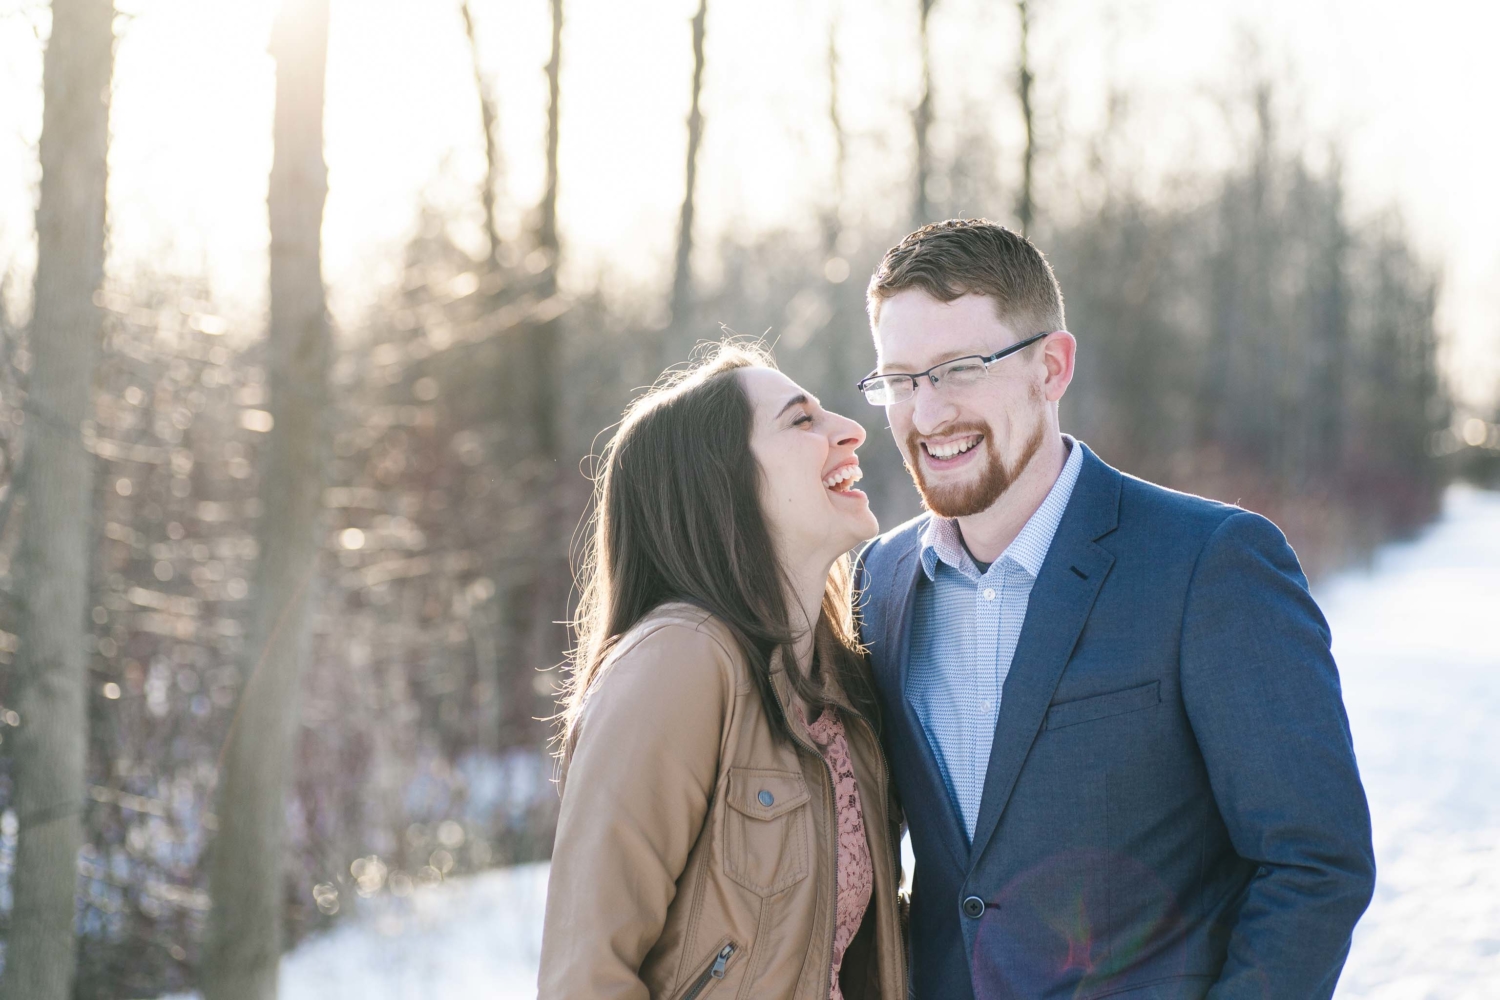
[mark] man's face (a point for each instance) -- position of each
(964, 446)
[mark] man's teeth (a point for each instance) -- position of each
(951, 448)
(839, 478)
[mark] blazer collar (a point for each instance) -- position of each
(1060, 603)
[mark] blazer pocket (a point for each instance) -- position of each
(1102, 706)
(767, 829)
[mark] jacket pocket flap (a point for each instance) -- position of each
(1102, 706)
(765, 794)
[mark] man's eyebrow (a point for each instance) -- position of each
(796, 400)
(892, 366)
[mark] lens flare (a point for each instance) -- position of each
(1073, 925)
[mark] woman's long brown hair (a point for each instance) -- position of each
(677, 517)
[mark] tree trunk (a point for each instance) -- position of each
(832, 223)
(47, 757)
(921, 209)
(1331, 318)
(489, 116)
(1024, 80)
(532, 594)
(546, 235)
(682, 276)
(246, 874)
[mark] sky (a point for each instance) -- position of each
(1406, 95)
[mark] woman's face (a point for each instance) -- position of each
(808, 470)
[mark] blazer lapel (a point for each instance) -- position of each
(897, 637)
(1060, 602)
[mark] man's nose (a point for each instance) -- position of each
(929, 409)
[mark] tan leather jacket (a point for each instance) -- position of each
(695, 854)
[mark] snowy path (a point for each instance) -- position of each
(472, 939)
(1418, 643)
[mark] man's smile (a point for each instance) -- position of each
(949, 452)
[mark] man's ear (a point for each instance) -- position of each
(1058, 352)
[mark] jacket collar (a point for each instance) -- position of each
(781, 683)
(1060, 603)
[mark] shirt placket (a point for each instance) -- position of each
(982, 704)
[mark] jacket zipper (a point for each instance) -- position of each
(833, 825)
(892, 860)
(708, 975)
(893, 845)
(885, 772)
(895, 865)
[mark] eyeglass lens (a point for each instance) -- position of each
(887, 389)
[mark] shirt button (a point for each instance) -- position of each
(766, 798)
(986, 704)
(989, 594)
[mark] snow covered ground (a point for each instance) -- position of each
(1418, 644)
(477, 938)
(1417, 637)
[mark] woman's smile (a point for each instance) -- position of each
(842, 479)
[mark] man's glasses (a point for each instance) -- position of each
(897, 387)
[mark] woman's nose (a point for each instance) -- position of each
(848, 433)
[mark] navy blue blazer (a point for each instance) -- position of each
(1172, 808)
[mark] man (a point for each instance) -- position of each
(1110, 708)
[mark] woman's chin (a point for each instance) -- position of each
(862, 525)
(848, 525)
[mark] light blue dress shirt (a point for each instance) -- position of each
(964, 632)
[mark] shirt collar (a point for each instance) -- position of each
(941, 540)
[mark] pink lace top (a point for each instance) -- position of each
(854, 871)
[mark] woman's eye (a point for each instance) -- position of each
(806, 418)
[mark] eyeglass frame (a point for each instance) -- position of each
(985, 360)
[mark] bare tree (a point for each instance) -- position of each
(682, 277)
(546, 235)
(533, 592)
(246, 873)
(831, 223)
(1328, 366)
(489, 116)
(48, 755)
(921, 209)
(1024, 80)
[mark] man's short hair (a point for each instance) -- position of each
(963, 256)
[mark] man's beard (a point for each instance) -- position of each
(995, 478)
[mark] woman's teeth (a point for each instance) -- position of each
(842, 479)
(950, 448)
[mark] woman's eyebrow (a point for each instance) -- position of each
(796, 400)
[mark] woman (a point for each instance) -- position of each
(726, 827)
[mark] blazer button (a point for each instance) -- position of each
(973, 907)
(766, 798)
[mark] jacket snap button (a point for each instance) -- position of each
(766, 798)
(973, 907)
